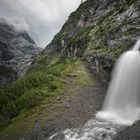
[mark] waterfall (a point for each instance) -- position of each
(122, 102)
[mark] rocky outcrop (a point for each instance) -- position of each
(17, 50)
(99, 31)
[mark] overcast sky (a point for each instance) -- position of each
(41, 18)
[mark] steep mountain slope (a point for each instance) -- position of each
(99, 31)
(16, 52)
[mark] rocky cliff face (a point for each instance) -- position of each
(16, 52)
(99, 31)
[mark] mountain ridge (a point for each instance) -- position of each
(17, 50)
(99, 32)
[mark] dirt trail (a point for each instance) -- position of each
(72, 108)
(72, 111)
(77, 103)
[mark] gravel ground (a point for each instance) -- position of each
(72, 109)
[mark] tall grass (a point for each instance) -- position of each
(38, 83)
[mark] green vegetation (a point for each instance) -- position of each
(40, 82)
(79, 42)
(82, 76)
(76, 74)
(26, 120)
(108, 28)
(105, 28)
(83, 33)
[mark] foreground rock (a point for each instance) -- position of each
(130, 133)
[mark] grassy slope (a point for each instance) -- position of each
(25, 121)
(40, 82)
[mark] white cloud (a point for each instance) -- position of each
(42, 18)
(18, 23)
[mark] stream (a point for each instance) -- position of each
(94, 129)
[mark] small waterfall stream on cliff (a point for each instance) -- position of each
(121, 107)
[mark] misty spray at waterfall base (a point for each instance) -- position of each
(122, 103)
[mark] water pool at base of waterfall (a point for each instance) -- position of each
(94, 129)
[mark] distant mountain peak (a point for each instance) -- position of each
(17, 50)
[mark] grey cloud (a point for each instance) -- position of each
(41, 18)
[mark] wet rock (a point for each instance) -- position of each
(58, 98)
(104, 135)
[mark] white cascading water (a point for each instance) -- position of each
(122, 103)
